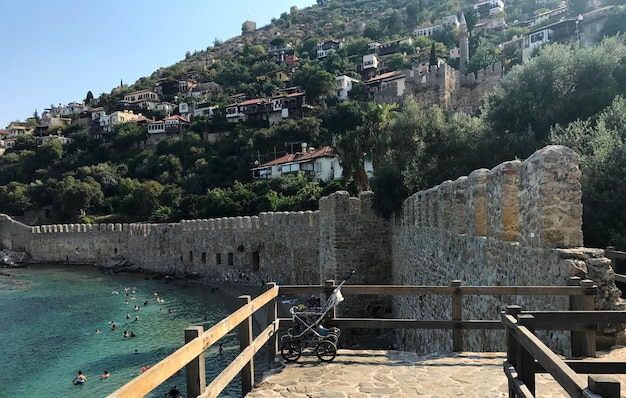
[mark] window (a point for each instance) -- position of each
(318, 166)
(203, 258)
(190, 256)
(218, 258)
(230, 259)
(255, 261)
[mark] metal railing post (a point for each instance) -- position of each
(272, 317)
(457, 315)
(195, 370)
(245, 339)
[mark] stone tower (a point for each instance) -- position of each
(463, 44)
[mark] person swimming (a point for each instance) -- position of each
(105, 375)
(80, 378)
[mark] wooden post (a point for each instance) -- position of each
(525, 361)
(195, 370)
(329, 287)
(272, 317)
(457, 315)
(577, 336)
(589, 304)
(511, 343)
(604, 385)
(245, 339)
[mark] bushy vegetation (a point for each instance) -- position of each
(566, 95)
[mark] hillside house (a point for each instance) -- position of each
(317, 165)
(393, 46)
(563, 31)
(326, 47)
(343, 87)
(369, 67)
(142, 99)
(450, 20)
(166, 87)
(253, 109)
(16, 129)
(486, 8)
(386, 88)
(208, 89)
(108, 121)
(204, 110)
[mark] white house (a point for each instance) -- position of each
(318, 165)
(343, 86)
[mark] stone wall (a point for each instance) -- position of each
(279, 247)
(519, 223)
(446, 87)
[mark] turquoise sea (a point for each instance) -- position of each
(48, 320)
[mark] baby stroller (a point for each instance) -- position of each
(309, 332)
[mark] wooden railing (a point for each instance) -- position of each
(197, 341)
(527, 355)
(191, 355)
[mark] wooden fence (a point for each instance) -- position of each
(527, 355)
(614, 255)
(191, 355)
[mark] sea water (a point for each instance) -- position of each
(49, 316)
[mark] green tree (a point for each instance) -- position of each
(558, 86)
(601, 144)
(373, 31)
(88, 97)
(127, 135)
(14, 199)
(72, 195)
(316, 81)
(397, 62)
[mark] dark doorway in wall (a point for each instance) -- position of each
(203, 257)
(230, 259)
(190, 256)
(255, 261)
(218, 258)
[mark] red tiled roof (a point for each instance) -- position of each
(250, 102)
(292, 158)
(385, 76)
(4, 132)
(177, 117)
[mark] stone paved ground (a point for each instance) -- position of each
(397, 374)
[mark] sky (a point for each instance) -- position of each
(56, 51)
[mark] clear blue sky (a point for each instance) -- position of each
(55, 51)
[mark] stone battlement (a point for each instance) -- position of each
(536, 203)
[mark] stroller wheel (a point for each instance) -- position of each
(291, 351)
(326, 351)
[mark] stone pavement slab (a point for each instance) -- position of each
(397, 374)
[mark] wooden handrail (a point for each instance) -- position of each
(521, 341)
(159, 373)
(440, 290)
(148, 381)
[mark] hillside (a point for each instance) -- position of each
(266, 122)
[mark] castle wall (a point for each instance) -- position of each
(518, 224)
(273, 246)
(447, 88)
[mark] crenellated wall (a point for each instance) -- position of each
(519, 223)
(273, 246)
(448, 88)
